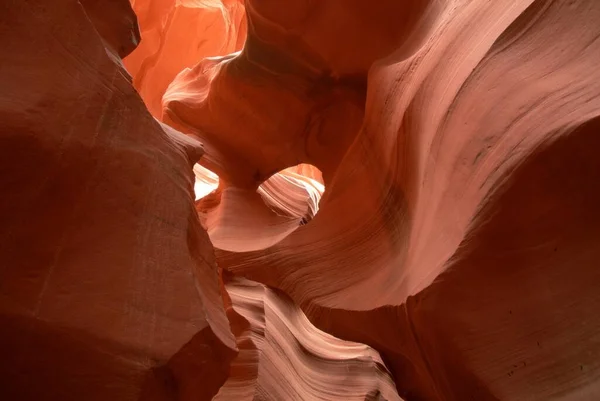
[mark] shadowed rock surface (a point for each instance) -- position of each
(393, 201)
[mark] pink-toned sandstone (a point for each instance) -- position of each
(266, 200)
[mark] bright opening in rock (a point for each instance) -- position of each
(303, 177)
(294, 192)
(240, 220)
(460, 239)
(205, 181)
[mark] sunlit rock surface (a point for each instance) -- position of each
(176, 35)
(456, 234)
(400, 199)
(284, 357)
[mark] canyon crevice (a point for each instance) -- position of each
(266, 200)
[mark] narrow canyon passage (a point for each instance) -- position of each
(266, 200)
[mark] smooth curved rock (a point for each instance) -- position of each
(447, 130)
(295, 360)
(456, 239)
(176, 34)
(102, 255)
(242, 220)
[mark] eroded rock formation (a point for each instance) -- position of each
(177, 34)
(105, 270)
(284, 357)
(452, 255)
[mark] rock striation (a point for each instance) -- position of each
(393, 201)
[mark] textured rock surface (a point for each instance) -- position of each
(244, 220)
(475, 103)
(454, 253)
(101, 251)
(293, 360)
(464, 208)
(116, 23)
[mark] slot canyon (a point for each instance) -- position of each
(274, 200)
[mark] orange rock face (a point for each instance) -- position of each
(177, 34)
(393, 201)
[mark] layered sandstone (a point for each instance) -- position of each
(452, 252)
(473, 103)
(110, 289)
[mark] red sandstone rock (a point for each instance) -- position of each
(244, 220)
(116, 23)
(176, 34)
(456, 237)
(102, 255)
(456, 234)
(293, 360)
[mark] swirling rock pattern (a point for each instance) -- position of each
(452, 203)
(452, 255)
(474, 102)
(296, 361)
